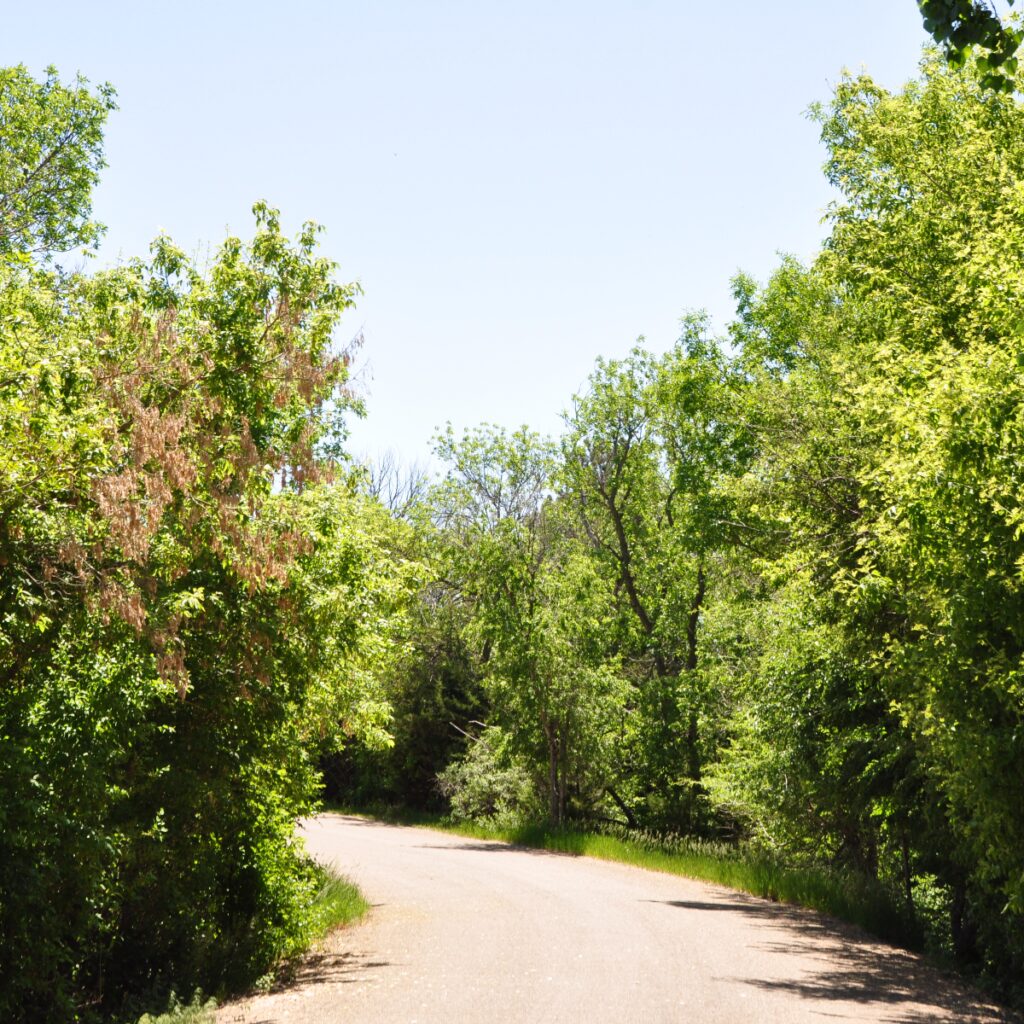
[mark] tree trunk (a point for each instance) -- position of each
(965, 941)
(622, 806)
(553, 805)
(694, 766)
(562, 776)
(908, 889)
(694, 619)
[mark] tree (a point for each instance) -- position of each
(424, 668)
(960, 26)
(51, 153)
(540, 611)
(163, 572)
(881, 715)
(400, 489)
(643, 456)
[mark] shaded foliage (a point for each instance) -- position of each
(963, 25)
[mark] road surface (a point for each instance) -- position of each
(464, 932)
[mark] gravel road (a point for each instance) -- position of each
(463, 931)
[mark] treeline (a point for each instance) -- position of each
(767, 587)
(189, 609)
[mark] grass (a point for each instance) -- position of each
(854, 898)
(198, 1011)
(339, 902)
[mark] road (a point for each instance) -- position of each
(469, 931)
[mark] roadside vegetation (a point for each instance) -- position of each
(338, 902)
(756, 614)
(197, 1011)
(176, 527)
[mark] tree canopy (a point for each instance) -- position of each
(171, 544)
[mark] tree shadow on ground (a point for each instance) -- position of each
(327, 968)
(317, 969)
(841, 963)
(495, 846)
(353, 819)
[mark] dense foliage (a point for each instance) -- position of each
(966, 26)
(184, 617)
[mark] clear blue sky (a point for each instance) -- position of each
(519, 187)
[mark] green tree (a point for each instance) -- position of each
(961, 26)
(51, 153)
(540, 611)
(946, 394)
(159, 591)
(883, 648)
(424, 668)
(643, 455)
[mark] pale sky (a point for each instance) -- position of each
(519, 187)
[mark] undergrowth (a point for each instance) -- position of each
(337, 902)
(197, 1011)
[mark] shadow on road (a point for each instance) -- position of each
(840, 967)
(317, 970)
(501, 846)
(328, 969)
(886, 978)
(352, 819)
(493, 846)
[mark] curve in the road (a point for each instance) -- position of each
(469, 931)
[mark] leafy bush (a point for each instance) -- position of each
(488, 784)
(197, 1011)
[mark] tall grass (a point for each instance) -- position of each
(337, 903)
